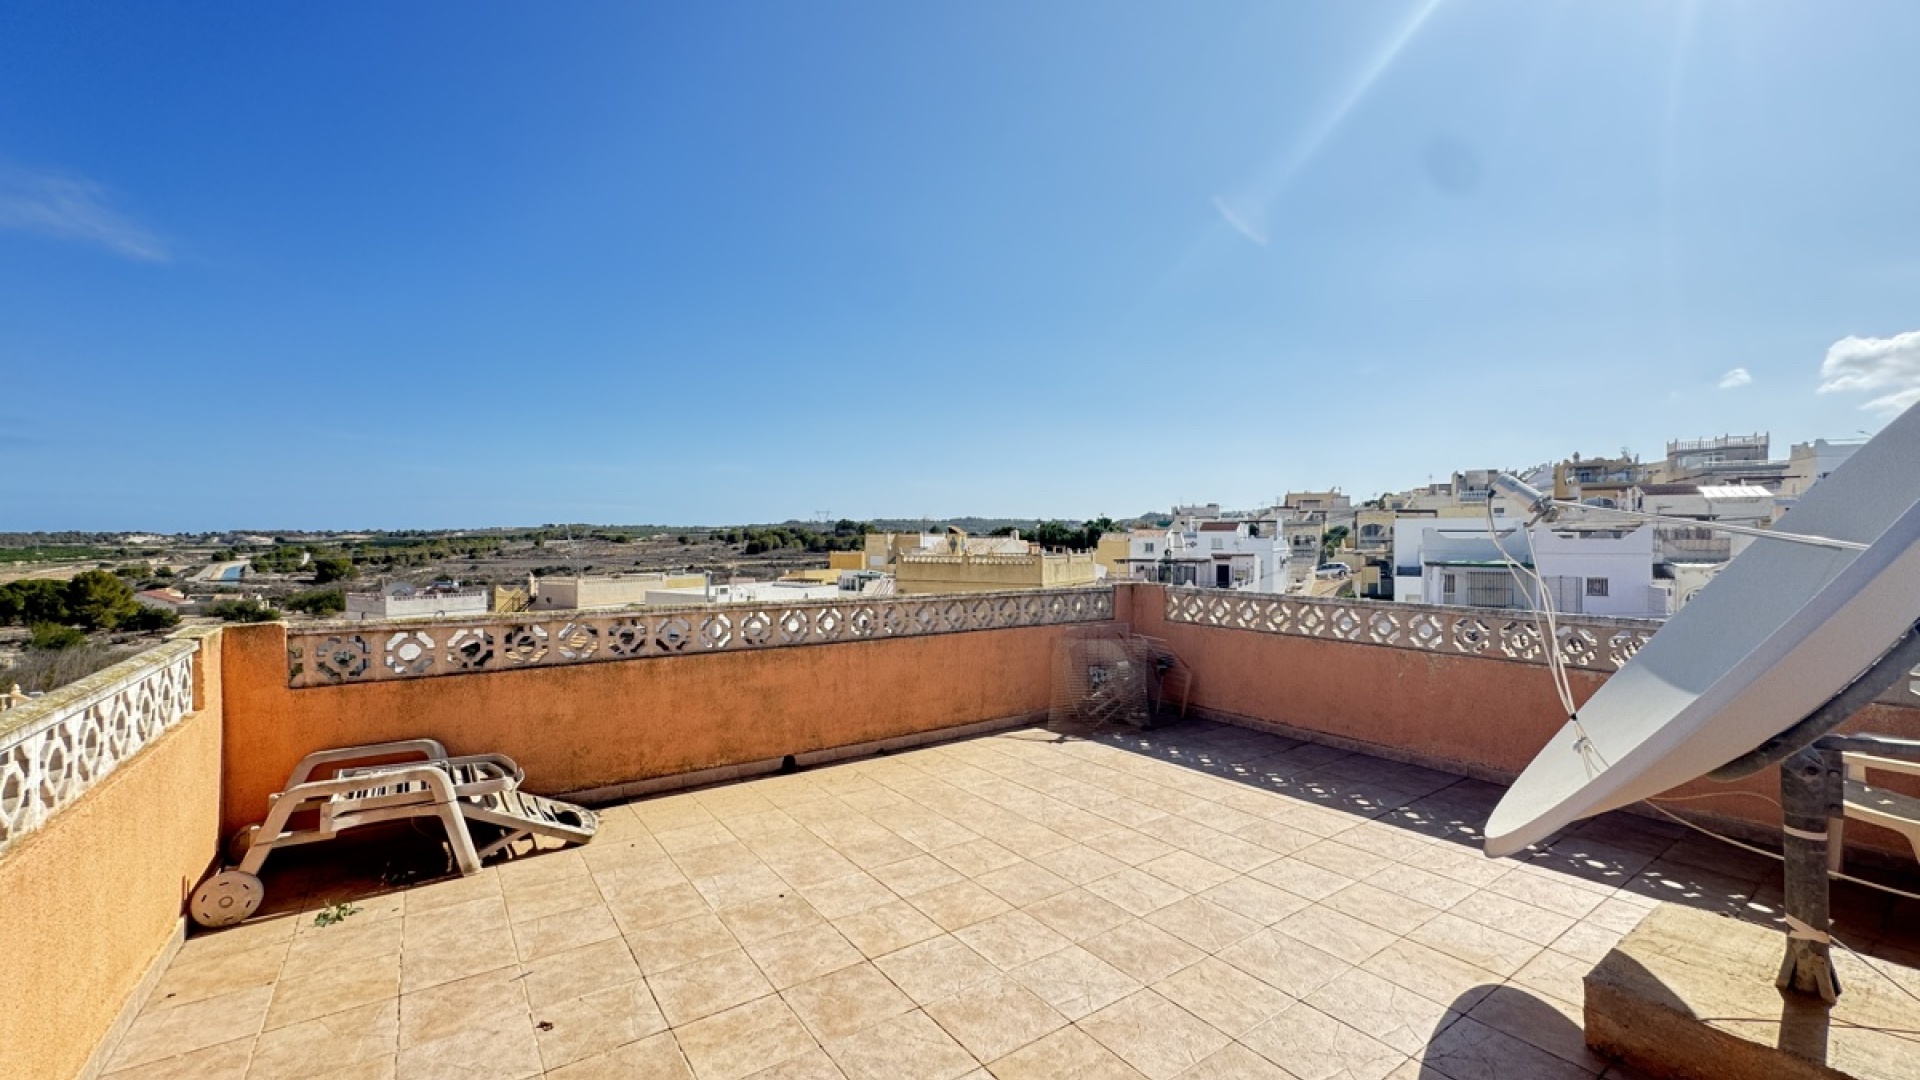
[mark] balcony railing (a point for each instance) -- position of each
(1592, 642)
(56, 747)
(333, 654)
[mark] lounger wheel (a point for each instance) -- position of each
(226, 898)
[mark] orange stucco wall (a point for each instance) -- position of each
(598, 724)
(93, 897)
(1489, 715)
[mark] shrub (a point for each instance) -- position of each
(149, 618)
(243, 611)
(98, 600)
(318, 602)
(54, 637)
(328, 568)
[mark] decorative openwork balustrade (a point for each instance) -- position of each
(56, 747)
(339, 653)
(1586, 641)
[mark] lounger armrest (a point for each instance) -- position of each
(434, 777)
(425, 748)
(1858, 765)
(506, 764)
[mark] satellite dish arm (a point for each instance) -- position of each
(1895, 664)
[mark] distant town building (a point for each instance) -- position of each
(554, 593)
(403, 601)
(1592, 571)
(962, 566)
(1809, 463)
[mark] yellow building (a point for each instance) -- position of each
(1113, 553)
(921, 573)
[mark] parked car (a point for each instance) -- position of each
(1332, 571)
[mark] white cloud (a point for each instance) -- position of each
(1244, 222)
(73, 209)
(1893, 363)
(1736, 378)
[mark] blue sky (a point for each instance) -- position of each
(370, 265)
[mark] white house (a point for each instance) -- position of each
(1242, 553)
(403, 601)
(1593, 571)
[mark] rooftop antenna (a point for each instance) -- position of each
(1788, 640)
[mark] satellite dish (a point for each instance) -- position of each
(1778, 632)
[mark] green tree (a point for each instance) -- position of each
(1330, 542)
(149, 618)
(243, 611)
(318, 602)
(98, 600)
(330, 568)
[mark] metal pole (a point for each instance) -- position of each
(1811, 791)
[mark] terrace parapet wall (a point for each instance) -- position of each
(338, 653)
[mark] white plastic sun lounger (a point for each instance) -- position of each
(424, 782)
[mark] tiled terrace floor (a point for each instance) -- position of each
(1197, 902)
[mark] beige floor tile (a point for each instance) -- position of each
(1346, 937)
(1397, 915)
(539, 899)
(692, 836)
(1432, 974)
(812, 1065)
(1128, 846)
(740, 886)
(1470, 1048)
(958, 905)
(1189, 872)
(1302, 878)
(872, 852)
(1515, 917)
(656, 1057)
(797, 957)
(453, 920)
(1588, 941)
(848, 894)
(1424, 886)
(908, 1047)
(1075, 982)
(745, 1039)
(443, 1010)
(304, 995)
(187, 981)
(811, 867)
(1555, 974)
(260, 930)
(1236, 1062)
(452, 890)
(1078, 914)
(977, 857)
(672, 944)
(297, 1051)
(1256, 900)
(1136, 891)
(222, 1061)
(1067, 1053)
(1023, 883)
(1222, 995)
(503, 1048)
(936, 969)
(708, 985)
(887, 928)
(575, 973)
(585, 1027)
(1387, 1011)
(1479, 945)
(1556, 1026)
(1203, 924)
(564, 931)
(1307, 1042)
(445, 957)
(1153, 1034)
(1079, 864)
(1144, 951)
(758, 920)
(1011, 939)
(1284, 962)
(847, 1001)
(547, 864)
(1567, 896)
(916, 875)
(636, 910)
(995, 1018)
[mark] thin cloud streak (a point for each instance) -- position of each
(1240, 223)
(1736, 378)
(70, 208)
(1858, 363)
